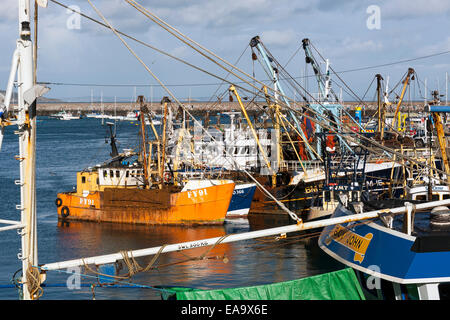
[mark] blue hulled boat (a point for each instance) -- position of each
(241, 200)
(403, 253)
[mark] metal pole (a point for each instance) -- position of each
(12, 76)
(110, 258)
(426, 91)
(8, 221)
(14, 226)
(102, 108)
(27, 137)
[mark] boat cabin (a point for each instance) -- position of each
(98, 180)
(420, 193)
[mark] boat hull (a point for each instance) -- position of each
(297, 198)
(138, 206)
(386, 253)
(241, 201)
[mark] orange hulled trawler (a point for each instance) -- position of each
(121, 191)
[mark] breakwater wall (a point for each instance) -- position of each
(122, 108)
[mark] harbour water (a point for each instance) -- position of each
(65, 147)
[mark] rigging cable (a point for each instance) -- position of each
(195, 67)
(291, 214)
(307, 116)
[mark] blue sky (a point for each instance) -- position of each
(338, 29)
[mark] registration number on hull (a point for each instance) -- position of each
(197, 193)
(87, 202)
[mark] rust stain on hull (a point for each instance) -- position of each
(152, 207)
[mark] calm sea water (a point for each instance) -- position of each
(63, 148)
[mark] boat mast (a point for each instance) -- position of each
(275, 111)
(255, 136)
(379, 103)
(23, 66)
(164, 101)
(140, 100)
(26, 122)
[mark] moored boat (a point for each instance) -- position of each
(65, 115)
(146, 206)
(121, 191)
(240, 201)
(398, 255)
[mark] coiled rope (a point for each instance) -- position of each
(33, 279)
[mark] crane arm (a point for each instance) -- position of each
(315, 66)
(256, 42)
(405, 85)
(441, 139)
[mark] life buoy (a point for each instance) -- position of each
(167, 176)
(58, 202)
(65, 212)
(330, 144)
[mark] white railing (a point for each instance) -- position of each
(294, 165)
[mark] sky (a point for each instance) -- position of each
(352, 34)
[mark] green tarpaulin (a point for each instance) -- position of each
(338, 285)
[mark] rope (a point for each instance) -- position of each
(325, 125)
(283, 207)
(122, 284)
(312, 119)
(86, 266)
(207, 84)
(34, 282)
(134, 267)
(203, 255)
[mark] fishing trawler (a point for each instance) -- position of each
(400, 254)
(107, 202)
(403, 252)
(226, 149)
(240, 201)
(120, 191)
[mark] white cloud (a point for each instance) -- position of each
(278, 38)
(357, 45)
(399, 9)
(219, 13)
(181, 52)
(337, 29)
